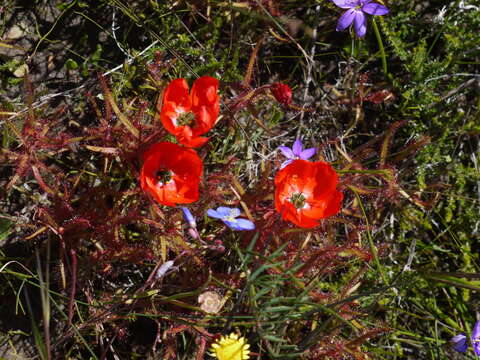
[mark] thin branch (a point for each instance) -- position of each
(46, 98)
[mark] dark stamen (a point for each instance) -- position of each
(298, 200)
(163, 176)
(185, 119)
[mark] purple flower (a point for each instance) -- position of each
(296, 152)
(187, 215)
(356, 14)
(229, 217)
(476, 338)
(459, 343)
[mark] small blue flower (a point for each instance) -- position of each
(476, 338)
(296, 152)
(356, 10)
(459, 343)
(229, 217)
(187, 215)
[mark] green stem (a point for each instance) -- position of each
(352, 49)
(373, 248)
(380, 47)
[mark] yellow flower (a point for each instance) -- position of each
(231, 347)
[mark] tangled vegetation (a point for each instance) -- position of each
(119, 237)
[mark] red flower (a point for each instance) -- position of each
(305, 192)
(282, 93)
(189, 115)
(171, 174)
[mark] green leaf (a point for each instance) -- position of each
(71, 64)
(451, 279)
(5, 226)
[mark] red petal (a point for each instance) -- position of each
(290, 213)
(176, 94)
(205, 103)
(334, 204)
(193, 142)
(188, 165)
(316, 209)
(204, 93)
(204, 121)
(166, 117)
(326, 179)
(175, 99)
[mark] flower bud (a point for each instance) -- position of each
(187, 215)
(193, 233)
(282, 93)
(460, 343)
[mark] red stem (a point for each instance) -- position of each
(73, 287)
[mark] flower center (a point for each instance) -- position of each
(298, 200)
(356, 4)
(231, 217)
(163, 176)
(185, 119)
